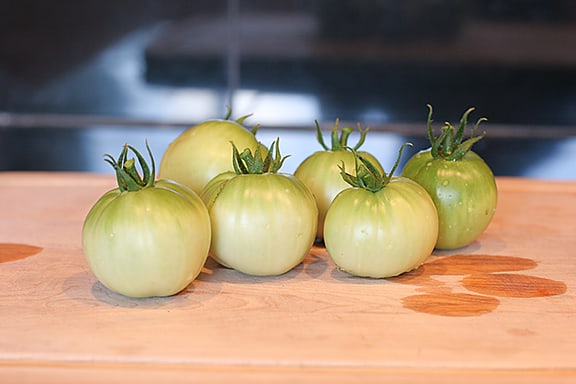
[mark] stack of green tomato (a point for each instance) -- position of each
(220, 193)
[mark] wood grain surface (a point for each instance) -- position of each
(502, 309)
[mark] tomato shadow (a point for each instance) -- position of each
(341, 276)
(312, 267)
(419, 277)
(317, 262)
(201, 290)
(228, 275)
(83, 287)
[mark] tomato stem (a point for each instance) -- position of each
(127, 175)
(241, 120)
(450, 144)
(248, 163)
(367, 176)
(339, 144)
(339, 138)
(320, 137)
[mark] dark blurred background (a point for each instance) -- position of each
(80, 78)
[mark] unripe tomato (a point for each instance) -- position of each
(203, 151)
(146, 238)
(263, 222)
(384, 233)
(460, 183)
(463, 191)
(382, 226)
(321, 170)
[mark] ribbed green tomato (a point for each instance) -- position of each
(464, 192)
(460, 183)
(384, 233)
(381, 234)
(263, 224)
(147, 240)
(321, 170)
(203, 151)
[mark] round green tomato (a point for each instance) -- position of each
(262, 224)
(321, 174)
(464, 192)
(381, 234)
(203, 151)
(151, 242)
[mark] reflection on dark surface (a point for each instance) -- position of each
(78, 77)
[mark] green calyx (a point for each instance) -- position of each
(450, 144)
(367, 176)
(241, 120)
(126, 173)
(248, 163)
(340, 138)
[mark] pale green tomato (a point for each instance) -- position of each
(321, 174)
(262, 224)
(150, 242)
(381, 234)
(464, 192)
(203, 151)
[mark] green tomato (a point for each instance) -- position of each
(384, 233)
(145, 240)
(203, 151)
(464, 192)
(460, 183)
(320, 172)
(263, 224)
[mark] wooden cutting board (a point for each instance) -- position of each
(502, 309)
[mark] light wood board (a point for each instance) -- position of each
(502, 309)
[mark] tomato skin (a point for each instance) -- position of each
(146, 243)
(203, 151)
(464, 192)
(320, 172)
(262, 224)
(381, 234)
